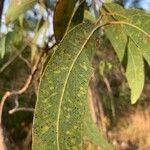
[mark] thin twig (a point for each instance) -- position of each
(96, 107)
(28, 139)
(16, 102)
(25, 60)
(6, 65)
(91, 103)
(110, 96)
(24, 88)
(14, 110)
(17, 108)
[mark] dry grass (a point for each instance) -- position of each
(134, 130)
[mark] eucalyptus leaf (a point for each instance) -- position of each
(62, 93)
(77, 15)
(67, 14)
(134, 72)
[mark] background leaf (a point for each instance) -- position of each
(77, 15)
(18, 7)
(2, 46)
(128, 33)
(40, 35)
(64, 15)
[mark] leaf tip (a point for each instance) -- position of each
(134, 98)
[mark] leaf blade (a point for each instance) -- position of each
(64, 126)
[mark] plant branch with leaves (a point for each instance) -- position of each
(62, 118)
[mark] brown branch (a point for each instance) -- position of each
(24, 88)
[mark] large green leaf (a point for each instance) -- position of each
(129, 30)
(58, 121)
(18, 7)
